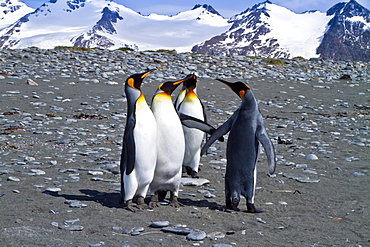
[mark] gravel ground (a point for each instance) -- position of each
(60, 144)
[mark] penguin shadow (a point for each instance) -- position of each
(110, 200)
(203, 203)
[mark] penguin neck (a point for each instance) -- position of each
(249, 101)
(162, 96)
(191, 93)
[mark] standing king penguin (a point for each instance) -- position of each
(170, 146)
(191, 105)
(247, 131)
(139, 151)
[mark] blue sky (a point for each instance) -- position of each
(226, 8)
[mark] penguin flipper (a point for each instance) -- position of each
(219, 132)
(128, 153)
(264, 139)
(192, 122)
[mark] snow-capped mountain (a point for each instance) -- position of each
(266, 29)
(348, 35)
(11, 11)
(106, 24)
(269, 30)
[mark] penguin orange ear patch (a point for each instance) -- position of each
(130, 82)
(241, 93)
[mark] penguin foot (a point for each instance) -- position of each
(188, 170)
(175, 203)
(233, 204)
(252, 209)
(194, 174)
(191, 172)
(154, 203)
(141, 204)
(130, 206)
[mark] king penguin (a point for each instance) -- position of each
(192, 106)
(170, 146)
(139, 151)
(247, 131)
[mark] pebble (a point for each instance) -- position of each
(53, 189)
(262, 221)
(316, 127)
(38, 171)
(193, 181)
(71, 227)
(215, 235)
(14, 179)
(311, 157)
(307, 180)
(75, 204)
(95, 172)
(177, 230)
(159, 224)
(196, 235)
(358, 174)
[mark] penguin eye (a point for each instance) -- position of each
(131, 82)
(241, 93)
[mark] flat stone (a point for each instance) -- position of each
(177, 230)
(159, 224)
(308, 180)
(196, 235)
(295, 176)
(95, 172)
(215, 235)
(14, 179)
(6, 170)
(72, 227)
(193, 181)
(311, 157)
(53, 189)
(75, 204)
(38, 171)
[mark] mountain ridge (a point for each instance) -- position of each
(265, 29)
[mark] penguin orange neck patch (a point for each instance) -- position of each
(191, 94)
(163, 95)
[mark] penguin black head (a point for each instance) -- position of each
(134, 81)
(238, 87)
(190, 81)
(170, 86)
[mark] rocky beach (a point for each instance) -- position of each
(62, 118)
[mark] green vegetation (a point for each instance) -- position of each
(72, 48)
(163, 51)
(273, 61)
(252, 57)
(125, 49)
(298, 58)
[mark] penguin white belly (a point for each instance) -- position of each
(170, 146)
(193, 137)
(145, 136)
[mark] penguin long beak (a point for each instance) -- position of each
(169, 87)
(143, 75)
(239, 87)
